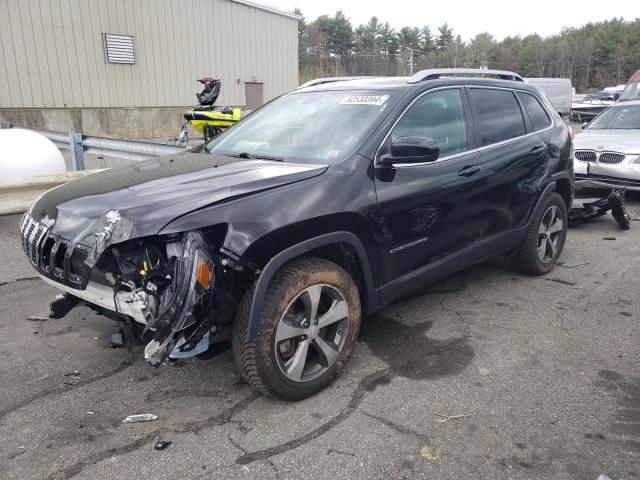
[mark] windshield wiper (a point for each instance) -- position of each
(253, 156)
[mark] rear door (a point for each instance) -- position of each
(512, 155)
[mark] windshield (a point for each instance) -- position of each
(320, 126)
(631, 91)
(618, 117)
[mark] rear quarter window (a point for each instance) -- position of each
(537, 114)
(498, 113)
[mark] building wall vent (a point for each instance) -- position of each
(119, 48)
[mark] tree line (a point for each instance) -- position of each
(593, 56)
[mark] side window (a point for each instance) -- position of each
(438, 115)
(537, 114)
(499, 115)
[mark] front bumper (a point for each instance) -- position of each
(602, 181)
(602, 175)
(102, 296)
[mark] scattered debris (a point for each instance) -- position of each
(447, 418)
(117, 339)
(162, 444)
(602, 476)
(331, 451)
(430, 453)
(562, 281)
(91, 413)
(143, 417)
(575, 264)
(484, 371)
(608, 238)
(36, 318)
(586, 209)
(75, 373)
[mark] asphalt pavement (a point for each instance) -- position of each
(487, 374)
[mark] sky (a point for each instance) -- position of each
(500, 18)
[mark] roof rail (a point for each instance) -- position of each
(321, 81)
(435, 73)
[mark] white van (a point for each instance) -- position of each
(559, 91)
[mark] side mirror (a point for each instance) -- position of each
(411, 150)
(585, 124)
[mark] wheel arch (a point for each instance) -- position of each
(342, 247)
(564, 186)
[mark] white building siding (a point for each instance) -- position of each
(52, 52)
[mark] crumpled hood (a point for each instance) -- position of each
(623, 141)
(149, 194)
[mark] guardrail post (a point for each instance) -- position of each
(77, 151)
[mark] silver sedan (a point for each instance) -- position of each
(607, 151)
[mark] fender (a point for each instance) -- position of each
(368, 303)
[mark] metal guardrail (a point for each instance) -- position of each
(79, 145)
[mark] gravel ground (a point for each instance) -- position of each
(547, 370)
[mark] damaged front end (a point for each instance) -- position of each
(179, 286)
(185, 287)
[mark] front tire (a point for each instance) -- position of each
(545, 238)
(309, 325)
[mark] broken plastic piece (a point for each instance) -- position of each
(143, 417)
(572, 264)
(62, 305)
(162, 444)
(201, 347)
(117, 339)
(586, 209)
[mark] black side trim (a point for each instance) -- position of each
(370, 302)
(455, 262)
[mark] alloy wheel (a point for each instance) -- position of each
(311, 333)
(550, 234)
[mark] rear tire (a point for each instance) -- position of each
(309, 325)
(544, 241)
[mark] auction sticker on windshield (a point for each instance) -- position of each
(364, 100)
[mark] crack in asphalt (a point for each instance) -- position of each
(45, 393)
(189, 427)
(24, 279)
(402, 429)
(367, 384)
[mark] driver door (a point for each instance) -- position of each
(429, 212)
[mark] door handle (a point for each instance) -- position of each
(537, 150)
(469, 171)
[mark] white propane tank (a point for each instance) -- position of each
(25, 154)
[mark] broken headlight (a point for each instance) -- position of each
(182, 300)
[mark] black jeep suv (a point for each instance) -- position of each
(320, 207)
